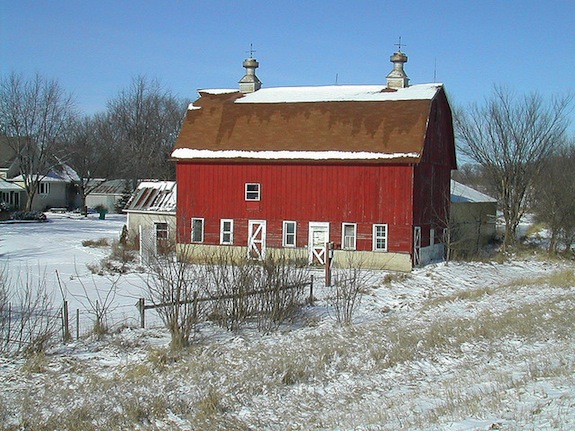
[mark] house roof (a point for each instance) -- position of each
(308, 123)
(58, 174)
(153, 196)
(109, 187)
(462, 193)
(7, 186)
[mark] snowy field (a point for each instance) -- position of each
(464, 346)
(53, 251)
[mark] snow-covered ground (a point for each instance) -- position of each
(53, 251)
(463, 346)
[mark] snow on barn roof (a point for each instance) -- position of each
(186, 153)
(463, 193)
(339, 93)
(351, 122)
(153, 196)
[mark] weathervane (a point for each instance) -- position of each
(399, 45)
(251, 51)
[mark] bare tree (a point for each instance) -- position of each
(552, 200)
(474, 176)
(511, 137)
(147, 120)
(34, 115)
(89, 151)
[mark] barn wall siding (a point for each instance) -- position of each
(432, 176)
(336, 194)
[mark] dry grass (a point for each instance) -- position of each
(379, 370)
(96, 243)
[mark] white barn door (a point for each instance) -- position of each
(256, 239)
(318, 237)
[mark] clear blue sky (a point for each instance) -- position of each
(94, 48)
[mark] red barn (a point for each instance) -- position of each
(292, 168)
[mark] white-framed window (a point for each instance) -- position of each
(44, 188)
(161, 231)
(226, 231)
(197, 230)
(380, 237)
(349, 236)
(289, 233)
(162, 242)
(253, 191)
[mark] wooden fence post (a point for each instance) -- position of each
(195, 307)
(311, 291)
(65, 323)
(9, 333)
(142, 308)
(329, 250)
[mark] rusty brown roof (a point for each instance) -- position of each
(230, 125)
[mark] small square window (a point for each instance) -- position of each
(197, 230)
(253, 191)
(289, 234)
(161, 230)
(380, 237)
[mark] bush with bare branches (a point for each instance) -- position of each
(349, 281)
(225, 290)
(28, 321)
(100, 306)
(172, 286)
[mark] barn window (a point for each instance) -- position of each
(253, 191)
(289, 234)
(380, 237)
(349, 233)
(197, 230)
(226, 231)
(44, 188)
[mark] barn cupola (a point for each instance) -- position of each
(250, 82)
(397, 78)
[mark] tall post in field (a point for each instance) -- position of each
(329, 246)
(65, 323)
(142, 309)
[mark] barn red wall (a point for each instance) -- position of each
(362, 194)
(432, 175)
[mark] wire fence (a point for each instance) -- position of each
(32, 329)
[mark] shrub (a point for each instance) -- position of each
(29, 215)
(102, 242)
(6, 207)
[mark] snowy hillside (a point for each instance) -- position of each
(464, 346)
